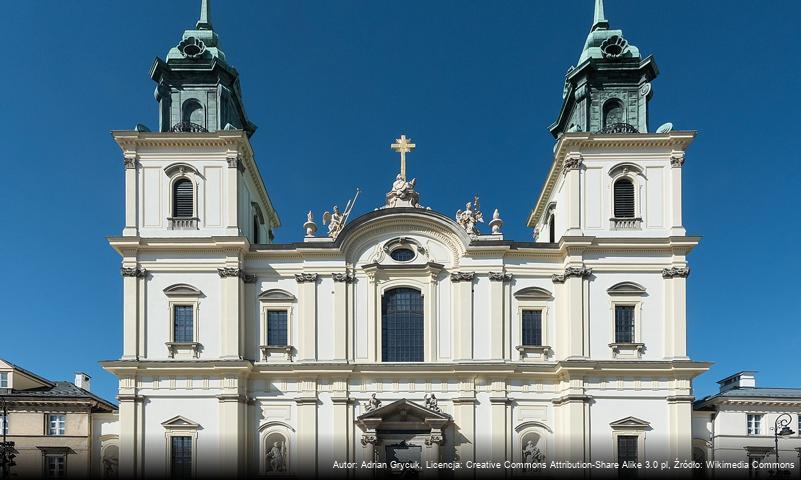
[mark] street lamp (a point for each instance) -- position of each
(781, 428)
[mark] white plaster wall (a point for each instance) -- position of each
(623, 404)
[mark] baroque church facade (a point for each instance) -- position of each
(402, 334)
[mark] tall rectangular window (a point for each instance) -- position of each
(184, 327)
(277, 328)
(56, 466)
(181, 457)
(3, 424)
(624, 324)
(55, 424)
(532, 327)
(754, 424)
(627, 449)
(3, 379)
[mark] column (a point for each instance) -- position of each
(232, 210)
(233, 410)
(131, 193)
(572, 172)
(498, 306)
(307, 428)
(231, 321)
(373, 317)
(680, 425)
(498, 406)
(463, 314)
(572, 434)
(341, 304)
(464, 413)
(676, 311)
(431, 321)
(307, 292)
(128, 453)
(575, 311)
(341, 404)
(132, 276)
(676, 163)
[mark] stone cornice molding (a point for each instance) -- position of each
(136, 272)
(581, 272)
(306, 277)
(457, 277)
(346, 277)
(676, 272)
(500, 277)
(571, 399)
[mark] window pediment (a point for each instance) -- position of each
(276, 295)
(626, 168)
(180, 169)
(626, 288)
(180, 422)
(182, 290)
(401, 411)
(533, 293)
(630, 423)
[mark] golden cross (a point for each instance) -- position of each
(403, 146)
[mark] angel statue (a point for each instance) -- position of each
(468, 218)
(335, 222)
(277, 457)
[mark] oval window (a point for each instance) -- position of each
(402, 255)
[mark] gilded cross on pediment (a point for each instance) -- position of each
(403, 146)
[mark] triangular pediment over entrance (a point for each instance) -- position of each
(630, 422)
(402, 415)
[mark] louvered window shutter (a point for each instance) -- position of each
(182, 199)
(624, 199)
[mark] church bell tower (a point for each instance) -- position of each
(198, 91)
(609, 90)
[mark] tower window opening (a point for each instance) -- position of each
(624, 198)
(182, 201)
(613, 112)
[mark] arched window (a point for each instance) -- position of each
(402, 326)
(193, 113)
(624, 198)
(613, 112)
(182, 199)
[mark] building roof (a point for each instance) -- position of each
(55, 390)
(755, 393)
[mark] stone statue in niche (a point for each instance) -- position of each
(372, 404)
(277, 457)
(471, 215)
(532, 454)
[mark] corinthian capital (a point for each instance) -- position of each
(582, 272)
(676, 272)
(137, 272)
(306, 277)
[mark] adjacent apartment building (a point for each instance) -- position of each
(57, 427)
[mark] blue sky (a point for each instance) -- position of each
(331, 83)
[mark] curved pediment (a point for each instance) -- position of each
(276, 295)
(533, 293)
(626, 288)
(180, 168)
(375, 229)
(182, 290)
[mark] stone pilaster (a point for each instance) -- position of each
(307, 293)
(574, 327)
(232, 177)
(463, 314)
(233, 431)
(133, 281)
(680, 409)
(232, 320)
(499, 301)
(572, 172)
(306, 402)
(676, 163)
(342, 283)
(131, 194)
(676, 311)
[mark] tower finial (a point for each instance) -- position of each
(599, 20)
(205, 16)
